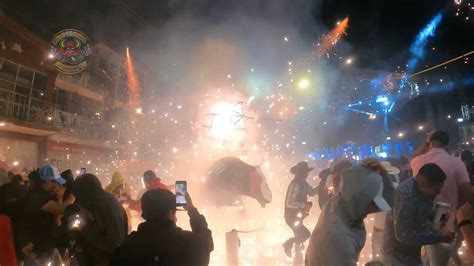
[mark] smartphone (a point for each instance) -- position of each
(83, 171)
(181, 188)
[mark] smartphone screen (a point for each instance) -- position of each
(83, 171)
(180, 191)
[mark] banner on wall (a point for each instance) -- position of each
(71, 148)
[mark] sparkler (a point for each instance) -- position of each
(329, 41)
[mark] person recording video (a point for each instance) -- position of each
(158, 241)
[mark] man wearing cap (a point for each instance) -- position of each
(339, 235)
(391, 181)
(297, 206)
(408, 225)
(43, 206)
(158, 241)
(150, 181)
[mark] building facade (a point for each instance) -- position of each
(50, 117)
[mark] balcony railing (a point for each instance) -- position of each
(20, 108)
(84, 80)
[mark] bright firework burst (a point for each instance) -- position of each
(328, 41)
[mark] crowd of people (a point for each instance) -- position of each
(54, 219)
(420, 207)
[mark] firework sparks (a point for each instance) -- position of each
(133, 84)
(328, 41)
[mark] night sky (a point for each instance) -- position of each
(379, 35)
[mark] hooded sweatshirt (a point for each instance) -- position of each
(106, 225)
(339, 235)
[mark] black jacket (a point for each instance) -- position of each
(105, 227)
(163, 243)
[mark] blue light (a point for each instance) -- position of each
(382, 99)
(391, 107)
(417, 48)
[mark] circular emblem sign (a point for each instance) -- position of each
(70, 49)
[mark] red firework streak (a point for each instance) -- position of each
(328, 41)
(133, 85)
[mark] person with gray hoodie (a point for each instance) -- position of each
(340, 234)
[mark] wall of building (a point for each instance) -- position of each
(23, 150)
(48, 117)
(74, 156)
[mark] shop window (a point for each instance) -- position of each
(25, 76)
(8, 70)
(6, 85)
(76, 104)
(37, 94)
(22, 90)
(92, 109)
(5, 98)
(40, 82)
(63, 99)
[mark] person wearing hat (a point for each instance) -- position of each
(121, 191)
(158, 241)
(339, 235)
(43, 206)
(150, 181)
(118, 187)
(297, 206)
(408, 225)
(391, 180)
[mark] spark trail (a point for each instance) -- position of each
(134, 88)
(329, 41)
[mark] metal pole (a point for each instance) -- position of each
(232, 247)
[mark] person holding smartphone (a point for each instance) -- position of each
(159, 240)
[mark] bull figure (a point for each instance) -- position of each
(230, 177)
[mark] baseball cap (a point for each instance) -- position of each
(50, 172)
(380, 201)
(156, 202)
